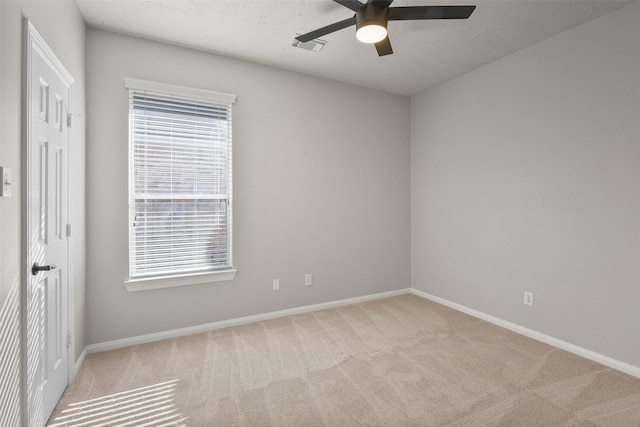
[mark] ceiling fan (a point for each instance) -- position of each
(371, 20)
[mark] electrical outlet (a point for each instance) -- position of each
(528, 298)
(308, 279)
(276, 284)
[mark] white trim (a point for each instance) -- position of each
(71, 373)
(580, 351)
(80, 361)
(571, 348)
(142, 339)
(182, 91)
(150, 283)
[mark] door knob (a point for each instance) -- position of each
(35, 268)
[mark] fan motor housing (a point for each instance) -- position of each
(371, 14)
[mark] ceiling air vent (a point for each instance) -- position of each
(314, 45)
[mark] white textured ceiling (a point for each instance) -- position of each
(426, 53)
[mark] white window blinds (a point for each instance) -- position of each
(180, 183)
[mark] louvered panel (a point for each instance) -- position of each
(180, 178)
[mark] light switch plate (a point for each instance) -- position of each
(5, 188)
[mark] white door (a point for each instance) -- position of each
(48, 94)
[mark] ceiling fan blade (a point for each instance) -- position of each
(384, 47)
(430, 12)
(326, 30)
(351, 4)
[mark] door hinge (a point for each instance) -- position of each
(68, 339)
(68, 230)
(69, 120)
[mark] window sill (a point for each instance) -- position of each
(150, 283)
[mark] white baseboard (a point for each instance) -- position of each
(571, 348)
(80, 361)
(142, 339)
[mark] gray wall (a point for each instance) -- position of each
(321, 186)
(525, 176)
(60, 24)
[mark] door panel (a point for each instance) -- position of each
(48, 103)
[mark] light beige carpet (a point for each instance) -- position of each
(398, 361)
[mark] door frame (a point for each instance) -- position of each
(33, 40)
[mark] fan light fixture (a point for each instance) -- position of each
(371, 23)
(372, 17)
(371, 33)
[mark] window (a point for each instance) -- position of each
(180, 186)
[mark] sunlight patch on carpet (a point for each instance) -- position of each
(150, 406)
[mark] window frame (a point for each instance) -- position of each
(135, 283)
